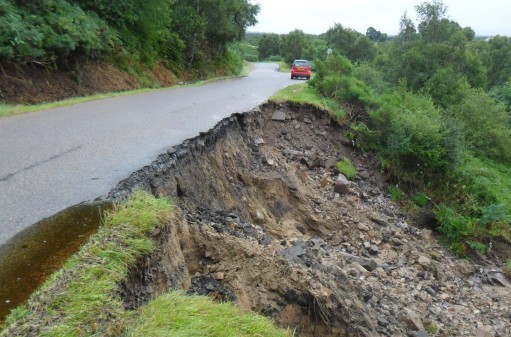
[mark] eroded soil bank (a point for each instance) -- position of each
(33, 84)
(262, 221)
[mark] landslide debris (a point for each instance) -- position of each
(266, 221)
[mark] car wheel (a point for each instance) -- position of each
(292, 77)
(308, 77)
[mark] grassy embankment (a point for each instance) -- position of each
(303, 94)
(15, 109)
(82, 298)
(284, 67)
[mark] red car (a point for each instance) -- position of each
(301, 68)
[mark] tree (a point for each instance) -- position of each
(350, 43)
(439, 43)
(375, 35)
(407, 31)
(470, 34)
(503, 94)
(269, 45)
(499, 63)
(430, 14)
(207, 26)
(294, 45)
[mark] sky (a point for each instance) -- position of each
(486, 18)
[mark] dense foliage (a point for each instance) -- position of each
(183, 34)
(438, 112)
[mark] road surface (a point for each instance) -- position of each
(53, 159)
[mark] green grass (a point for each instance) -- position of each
(177, 315)
(82, 299)
(249, 52)
(284, 67)
(346, 167)
(304, 94)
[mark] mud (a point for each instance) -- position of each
(258, 222)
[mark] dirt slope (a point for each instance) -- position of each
(32, 84)
(262, 221)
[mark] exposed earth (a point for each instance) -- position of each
(264, 219)
(32, 84)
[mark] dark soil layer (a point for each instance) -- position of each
(31, 84)
(262, 220)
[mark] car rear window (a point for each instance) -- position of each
(301, 63)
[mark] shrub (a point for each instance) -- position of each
(503, 94)
(420, 199)
(485, 125)
(494, 214)
(460, 232)
(371, 77)
(414, 135)
(336, 79)
(346, 167)
(486, 181)
(44, 30)
(395, 193)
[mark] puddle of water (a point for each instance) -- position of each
(31, 256)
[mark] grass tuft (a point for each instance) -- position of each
(346, 167)
(177, 315)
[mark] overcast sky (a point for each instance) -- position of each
(489, 17)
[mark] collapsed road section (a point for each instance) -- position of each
(265, 220)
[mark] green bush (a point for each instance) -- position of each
(346, 167)
(49, 29)
(420, 199)
(174, 33)
(485, 125)
(503, 95)
(446, 87)
(494, 214)
(455, 228)
(371, 77)
(414, 135)
(486, 181)
(335, 79)
(395, 193)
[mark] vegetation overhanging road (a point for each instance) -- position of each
(54, 159)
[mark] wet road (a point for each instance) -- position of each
(53, 159)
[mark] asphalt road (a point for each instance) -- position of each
(53, 159)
